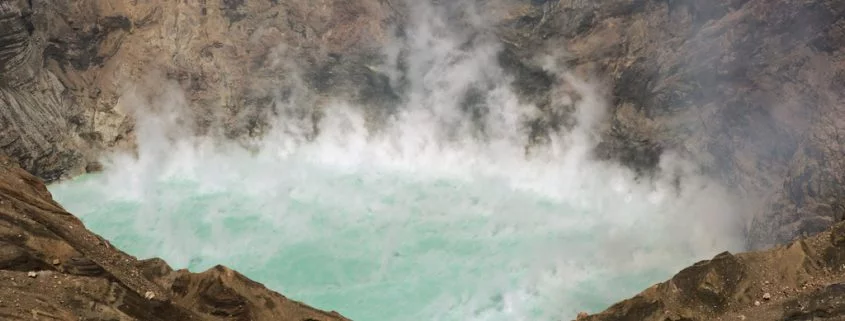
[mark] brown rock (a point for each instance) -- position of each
(711, 282)
(103, 283)
(837, 235)
(696, 293)
(93, 167)
(63, 66)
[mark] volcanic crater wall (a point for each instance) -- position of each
(750, 89)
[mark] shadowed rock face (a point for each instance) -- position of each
(54, 268)
(19, 50)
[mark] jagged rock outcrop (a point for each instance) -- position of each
(53, 268)
(804, 280)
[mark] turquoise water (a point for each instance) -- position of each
(388, 244)
(435, 214)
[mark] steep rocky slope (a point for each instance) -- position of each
(804, 280)
(52, 268)
(751, 89)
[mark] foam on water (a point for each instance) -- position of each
(433, 216)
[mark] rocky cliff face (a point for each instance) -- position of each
(53, 268)
(748, 88)
(35, 115)
(752, 90)
(65, 65)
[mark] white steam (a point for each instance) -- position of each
(605, 224)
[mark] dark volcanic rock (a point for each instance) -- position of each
(711, 283)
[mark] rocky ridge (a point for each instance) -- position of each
(53, 268)
(804, 280)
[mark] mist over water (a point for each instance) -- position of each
(437, 213)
